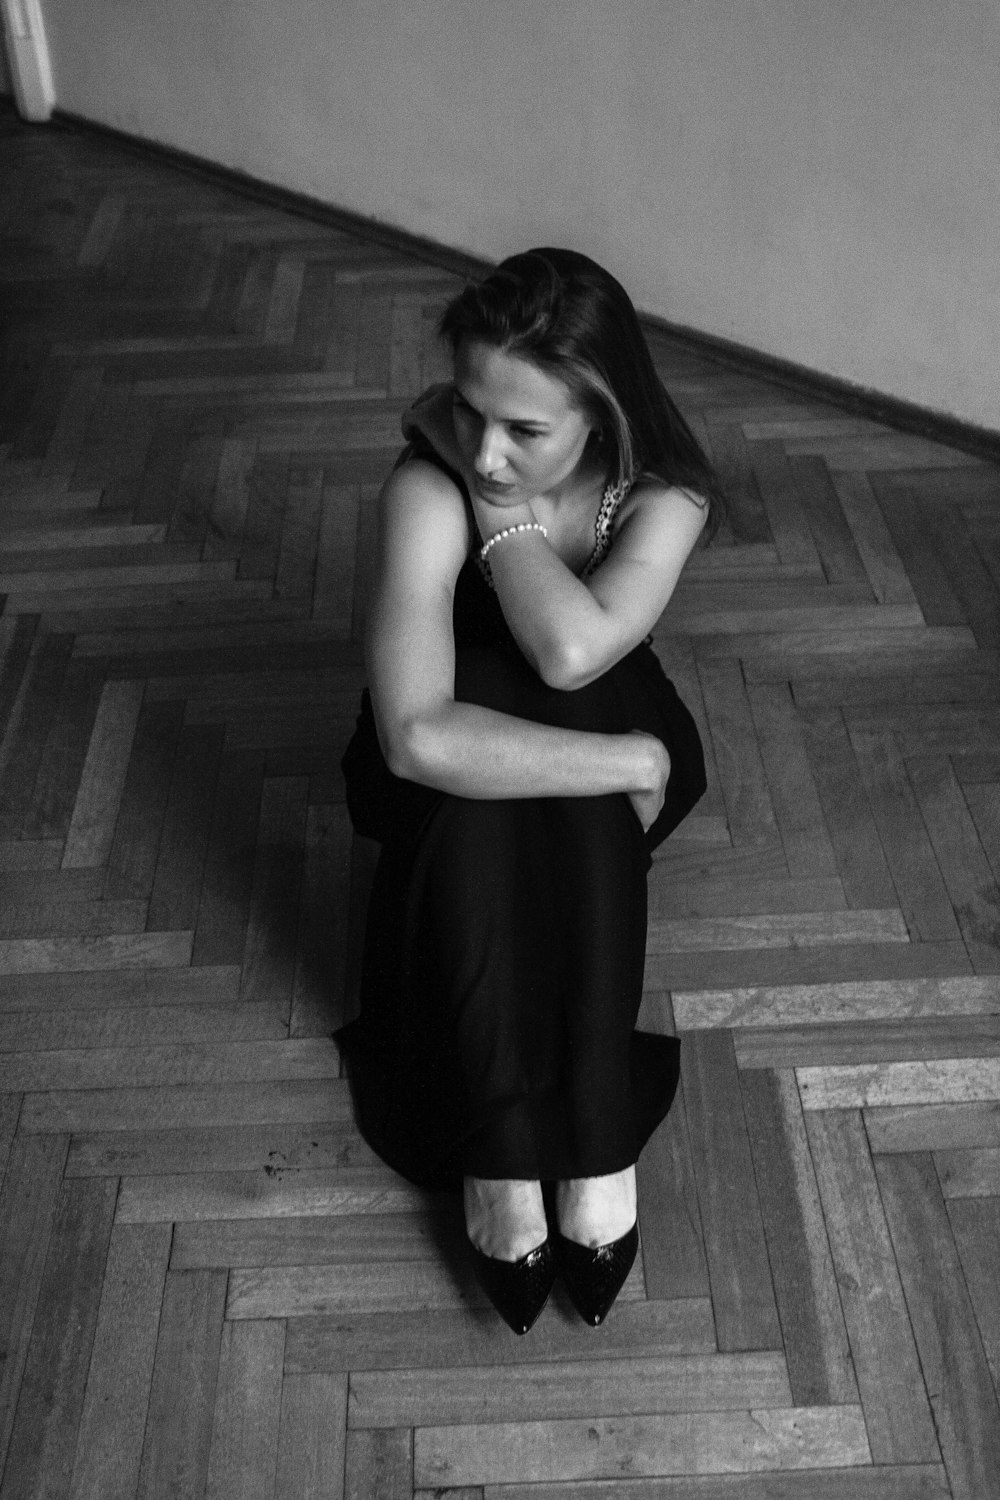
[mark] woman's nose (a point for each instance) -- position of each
(490, 454)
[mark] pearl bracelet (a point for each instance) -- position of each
(510, 531)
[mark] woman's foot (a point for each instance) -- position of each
(597, 1241)
(504, 1217)
(511, 1251)
(595, 1211)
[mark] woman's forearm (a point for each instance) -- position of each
(477, 752)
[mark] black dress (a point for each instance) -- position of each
(504, 949)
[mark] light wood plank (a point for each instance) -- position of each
(932, 1127)
(252, 1195)
(91, 830)
(898, 1482)
(942, 1081)
(116, 950)
(776, 930)
(824, 1004)
(636, 1446)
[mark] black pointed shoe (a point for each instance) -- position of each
(518, 1289)
(593, 1278)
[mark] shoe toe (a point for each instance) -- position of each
(518, 1289)
(593, 1278)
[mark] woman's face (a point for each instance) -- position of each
(518, 427)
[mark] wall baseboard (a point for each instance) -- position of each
(890, 411)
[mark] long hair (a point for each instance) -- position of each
(567, 315)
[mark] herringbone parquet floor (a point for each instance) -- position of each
(209, 1286)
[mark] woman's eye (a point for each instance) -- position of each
(525, 432)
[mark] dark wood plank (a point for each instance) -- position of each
(966, 1413)
(176, 888)
(28, 1202)
(44, 1437)
(897, 1413)
(185, 1374)
(113, 1421)
(820, 1369)
(738, 1268)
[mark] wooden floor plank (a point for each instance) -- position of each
(897, 1413)
(975, 1224)
(43, 1439)
(318, 992)
(113, 1422)
(379, 1462)
(738, 1269)
(243, 1458)
(268, 957)
(898, 1482)
(636, 1446)
(176, 1108)
(192, 1196)
(542, 1392)
(28, 1200)
(744, 783)
(673, 1253)
(807, 846)
(174, 896)
(102, 782)
(816, 1347)
(932, 1127)
(861, 861)
(449, 1339)
(135, 987)
(185, 1376)
(826, 1004)
(966, 1413)
(312, 1440)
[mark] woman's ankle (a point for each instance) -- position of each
(594, 1211)
(504, 1217)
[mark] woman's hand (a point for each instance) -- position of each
(647, 799)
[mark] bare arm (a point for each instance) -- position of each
(573, 630)
(425, 734)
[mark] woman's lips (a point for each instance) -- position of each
(491, 489)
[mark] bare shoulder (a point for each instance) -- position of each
(654, 509)
(423, 518)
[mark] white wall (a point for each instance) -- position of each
(820, 181)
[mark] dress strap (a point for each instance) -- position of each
(604, 524)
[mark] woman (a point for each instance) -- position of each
(519, 755)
